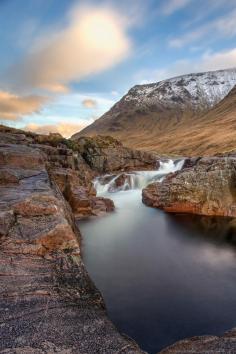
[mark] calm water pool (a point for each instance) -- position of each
(163, 277)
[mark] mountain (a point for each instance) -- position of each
(158, 116)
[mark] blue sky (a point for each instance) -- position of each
(64, 63)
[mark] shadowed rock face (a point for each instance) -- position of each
(225, 344)
(48, 304)
(207, 188)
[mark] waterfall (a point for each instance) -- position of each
(135, 180)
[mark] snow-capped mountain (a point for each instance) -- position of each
(210, 87)
(144, 115)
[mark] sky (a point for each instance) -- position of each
(65, 63)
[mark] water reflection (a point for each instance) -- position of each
(164, 277)
(218, 229)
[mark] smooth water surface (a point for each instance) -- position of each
(163, 277)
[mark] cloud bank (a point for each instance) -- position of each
(13, 107)
(64, 128)
(94, 39)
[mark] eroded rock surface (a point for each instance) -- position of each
(207, 188)
(72, 165)
(48, 304)
(63, 162)
(225, 344)
(106, 154)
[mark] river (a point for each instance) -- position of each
(163, 277)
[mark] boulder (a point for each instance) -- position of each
(84, 203)
(121, 182)
(101, 205)
(208, 188)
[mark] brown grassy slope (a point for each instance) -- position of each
(208, 134)
(175, 132)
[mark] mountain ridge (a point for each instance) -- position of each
(146, 115)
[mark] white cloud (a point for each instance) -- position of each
(13, 107)
(64, 128)
(221, 27)
(174, 5)
(220, 60)
(188, 38)
(208, 62)
(94, 40)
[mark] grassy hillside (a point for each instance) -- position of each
(174, 132)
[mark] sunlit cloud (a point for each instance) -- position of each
(94, 40)
(56, 88)
(13, 107)
(89, 103)
(66, 129)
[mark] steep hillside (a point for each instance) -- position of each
(163, 116)
(212, 133)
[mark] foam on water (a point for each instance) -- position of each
(138, 180)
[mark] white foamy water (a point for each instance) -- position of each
(136, 180)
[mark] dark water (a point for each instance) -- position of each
(163, 277)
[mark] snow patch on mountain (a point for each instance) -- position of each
(206, 88)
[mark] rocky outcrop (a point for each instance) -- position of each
(106, 154)
(225, 344)
(48, 304)
(65, 165)
(207, 188)
(72, 165)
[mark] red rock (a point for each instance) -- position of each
(102, 205)
(19, 156)
(8, 176)
(208, 188)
